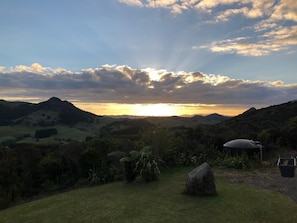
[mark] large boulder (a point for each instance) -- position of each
(201, 181)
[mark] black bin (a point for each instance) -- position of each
(287, 166)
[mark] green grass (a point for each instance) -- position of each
(161, 201)
(16, 133)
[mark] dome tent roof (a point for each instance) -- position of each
(243, 144)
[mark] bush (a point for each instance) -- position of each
(141, 163)
(235, 162)
(147, 166)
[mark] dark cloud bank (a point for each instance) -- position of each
(123, 84)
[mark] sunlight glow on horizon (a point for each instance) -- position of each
(159, 109)
(147, 109)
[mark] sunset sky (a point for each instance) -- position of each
(150, 57)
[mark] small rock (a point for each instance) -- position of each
(201, 182)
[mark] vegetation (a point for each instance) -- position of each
(141, 163)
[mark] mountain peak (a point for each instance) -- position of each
(252, 109)
(67, 112)
(54, 99)
(55, 103)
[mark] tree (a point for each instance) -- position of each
(264, 136)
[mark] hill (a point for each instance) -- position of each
(20, 121)
(49, 112)
(210, 119)
(272, 117)
(276, 124)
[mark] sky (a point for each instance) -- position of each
(150, 57)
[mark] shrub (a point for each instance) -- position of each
(235, 162)
(147, 166)
(141, 163)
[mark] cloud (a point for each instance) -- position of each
(266, 15)
(225, 15)
(285, 10)
(208, 5)
(132, 2)
(276, 9)
(255, 8)
(174, 6)
(273, 14)
(276, 38)
(246, 47)
(123, 84)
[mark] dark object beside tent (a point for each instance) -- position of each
(237, 146)
(287, 166)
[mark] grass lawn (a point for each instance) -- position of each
(161, 201)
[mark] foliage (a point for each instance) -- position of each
(129, 161)
(8, 177)
(95, 161)
(264, 136)
(96, 176)
(147, 166)
(235, 162)
(50, 167)
(141, 163)
(242, 162)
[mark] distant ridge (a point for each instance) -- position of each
(254, 121)
(210, 119)
(217, 117)
(56, 110)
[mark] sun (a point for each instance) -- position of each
(155, 110)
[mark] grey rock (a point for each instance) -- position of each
(201, 181)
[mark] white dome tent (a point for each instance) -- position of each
(237, 146)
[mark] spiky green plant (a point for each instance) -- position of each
(147, 166)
